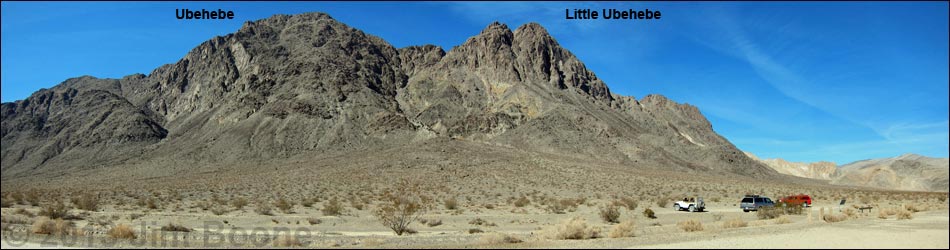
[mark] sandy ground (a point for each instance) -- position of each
(928, 230)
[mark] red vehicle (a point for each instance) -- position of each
(803, 199)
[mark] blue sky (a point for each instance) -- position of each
(804, 81)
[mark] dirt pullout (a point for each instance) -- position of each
(926, 230)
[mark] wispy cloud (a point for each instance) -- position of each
(732, 38)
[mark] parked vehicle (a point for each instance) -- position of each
(802, 199)
(692, 204)
(754, 202)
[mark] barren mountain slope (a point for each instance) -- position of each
(905, 172)
(822, 170)
(307, 84)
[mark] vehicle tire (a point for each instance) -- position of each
(676, 207)
(692, 208)
(743, 210)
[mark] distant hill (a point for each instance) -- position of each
(906, 172)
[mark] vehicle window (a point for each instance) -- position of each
(767, 200)
(758, 200)
(747, 200)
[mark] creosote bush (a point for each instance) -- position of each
(690, 225)
(649, 213)
(624, 229)
(44, 225)
(610, 213)
(239, 203)
(904, 215)
(263, 208)
(86, 202)
(498, 238)
(175, 228)
(451, 203)
(284, 205)
(575, 228)
(54, 210)
(521, 202)
(402, 208)
(333, 207)
(734, 223)
(122, 231)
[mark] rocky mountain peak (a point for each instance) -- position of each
(294, 84)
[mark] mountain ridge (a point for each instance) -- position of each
(908, 171)
(305, 84)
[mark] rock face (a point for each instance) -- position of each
(307, 84)
(905, 172)
(821, 170)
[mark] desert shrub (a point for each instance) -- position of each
(284, 206)
(46, 225)
(24, 212)
(521, 202)
(475, 231)
(765, 213)
(333, 207)
(135, 216)
(151, 203)
(433, 223)
(314, 221)
(734, 223)
(219, 210)
(122, 231)
(399, 212)
(561, 206)
(662, 202)
(175, 228)
(573, 229)
(649, 213)
(624, 229)
(610, 213)
(481, 222)
(5, 202)
(356, 204)
(787, 208)
(307, 202)
(628, 203)
(54, 210)
(783, 220)
(263, 208)
(850, 213)
(831, 217)
(239, 203)
(32, 198)
(498, 238)
(912, 208)
(690, 225)
(882, 214)
(904, 215)
(14, 220)
(490, 206)
(717, 216)
(86, 202)
(287, 241)
(451, 203)
(890, 211)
